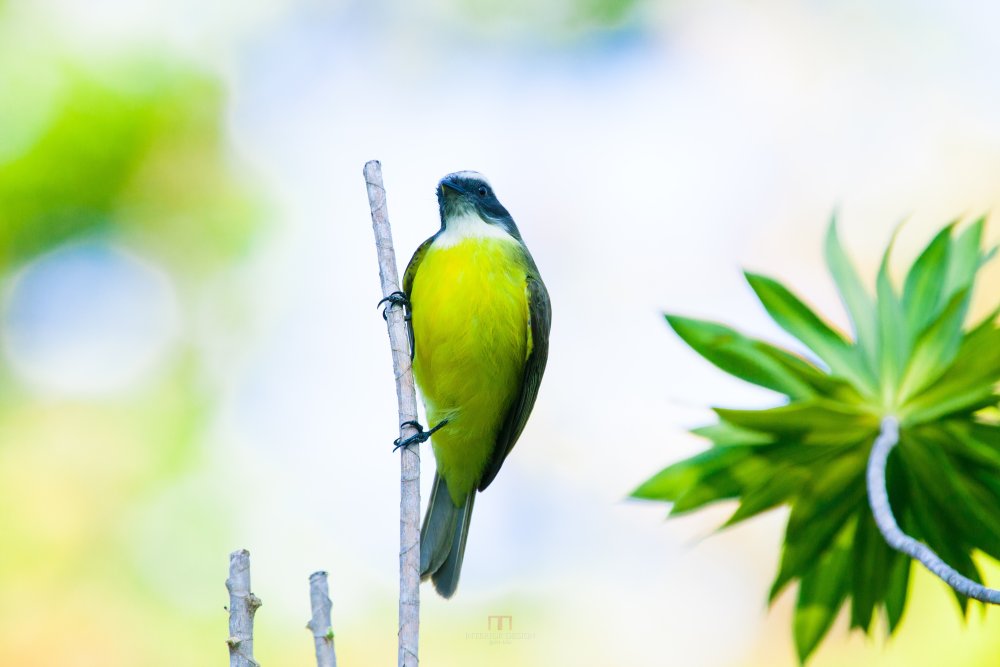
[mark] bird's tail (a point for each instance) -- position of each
(443, 536)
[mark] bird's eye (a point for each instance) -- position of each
(482, 191)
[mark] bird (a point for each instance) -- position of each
(479, 319)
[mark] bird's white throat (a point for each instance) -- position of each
(470, 226)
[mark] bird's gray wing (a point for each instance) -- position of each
(539, 322)
(408, 276)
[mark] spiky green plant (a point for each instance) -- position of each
(910, 356)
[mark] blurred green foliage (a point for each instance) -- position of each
(134, 150)
(549, 20)
(911, 357)
(106, 536)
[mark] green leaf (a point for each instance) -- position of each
(894, 340)
(738, 355)
(922, 292)
(859, 303)
(966, 386)
(721, 484)
(821, 594)
(899, 583)
(933, 526)
(936, 348)
(966, 258)
(984, 491)
(955, 486)
(675, 480)
(987, 433)
(813, 422)
(772, 490)
(932, 470)
(898, 574)
(796, 318)
(977, 444)
(870, 562)
(722, 433)
(818, 380)
(984, 505)
(818, 515)
(791, 452)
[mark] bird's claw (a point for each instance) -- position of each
(419, 437)
(397, 298)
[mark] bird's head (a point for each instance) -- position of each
(465, 193)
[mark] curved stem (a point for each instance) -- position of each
(878, 499)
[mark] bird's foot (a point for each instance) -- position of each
(397, 298)
(419, 437)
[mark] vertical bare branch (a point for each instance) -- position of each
(242, 606)
(319, 598)
(878, 499)
(409, 502)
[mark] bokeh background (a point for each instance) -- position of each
(192, 361)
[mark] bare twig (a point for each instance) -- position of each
(242, 606)
(409, 502)
(878, 498)
(319, 598)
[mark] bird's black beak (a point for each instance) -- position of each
(447, 184)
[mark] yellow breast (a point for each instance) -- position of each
(470, 329)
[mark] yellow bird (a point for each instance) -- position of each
(480, 318)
